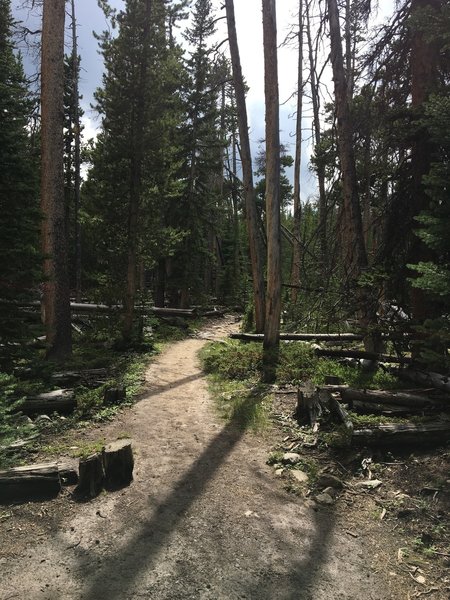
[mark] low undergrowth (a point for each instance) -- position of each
(298, 364)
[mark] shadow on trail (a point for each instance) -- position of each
(154, 389)
(140, 553)
(115, 579)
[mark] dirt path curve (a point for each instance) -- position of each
(204, 519)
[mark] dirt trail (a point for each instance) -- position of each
(204, 518)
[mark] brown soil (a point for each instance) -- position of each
(205, 517)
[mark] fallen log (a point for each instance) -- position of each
(85, 307)
(361, 354)
(349, 396)
(426, 378)
(68, 474)
(328, 399)
(61, 401)
(118, 463)
(387, 410)
(21, 487)
(404, 434)
(299, 337)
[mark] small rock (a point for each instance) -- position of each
(327, 480)
(299, 476)
(43, 419)
(370, 484)
(279, 472)
(22, 420)
(330, 491)
(324, 499)
(291, 458)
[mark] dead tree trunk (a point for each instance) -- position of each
(273, 295)
(296, 248)
(256, 256)
(56, 293)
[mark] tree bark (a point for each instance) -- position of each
(56, 292)
(296, 248)
(317, 139)
(255, 245)
(354, 250)
(77, 154)
(273, 226)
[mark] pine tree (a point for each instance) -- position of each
(19, 205)
(134, 164)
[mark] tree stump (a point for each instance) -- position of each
(114, 396)
(91, 476)
(118, 462)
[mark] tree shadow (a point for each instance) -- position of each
(139, 554)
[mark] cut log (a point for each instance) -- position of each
(299, 337)
(404, 434)
(22, 486)
(426, 378)
(361, 354)
(389, 397)
(119, 463)
(387, 410)
(68, 474)
(92, 476)
(62, 401)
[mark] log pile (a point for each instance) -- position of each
(340, 401)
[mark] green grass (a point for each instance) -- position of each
(242, 402)
(297, 365)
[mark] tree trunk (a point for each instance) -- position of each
(296, 249)
(56, 293)
(354, 251)
(273, 296)
(77, 155)
(251, 215)
(317, 139)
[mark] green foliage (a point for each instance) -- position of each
(245, 405)
(9, 400)
(19, 203)
(298, 364)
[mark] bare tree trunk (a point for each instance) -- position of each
(56, 297)
(317, 139)
(273, 296)
(77, 154)
(256, 255)
(296, 250)
(355, 257)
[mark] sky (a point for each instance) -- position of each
(249, 29)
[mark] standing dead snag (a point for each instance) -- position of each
(273, 293)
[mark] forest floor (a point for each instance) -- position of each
(205, 518)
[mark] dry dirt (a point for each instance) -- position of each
(205, 518)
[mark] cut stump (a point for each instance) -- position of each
(92, 476)
(118, 462)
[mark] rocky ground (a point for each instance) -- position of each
(207, 518)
